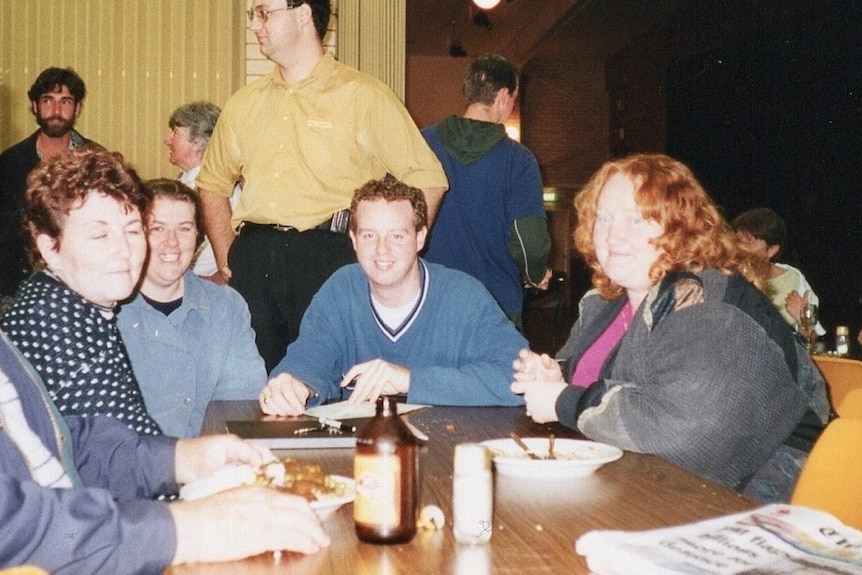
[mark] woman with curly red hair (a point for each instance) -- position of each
(676, 352)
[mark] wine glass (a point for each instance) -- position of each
(807, 324)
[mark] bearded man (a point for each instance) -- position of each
(55, 98)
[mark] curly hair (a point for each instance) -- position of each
(391, 189)
(63, 183)
(696, 235)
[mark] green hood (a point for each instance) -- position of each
(469, 140)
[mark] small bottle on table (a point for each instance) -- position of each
(386, 468)
(842, 341)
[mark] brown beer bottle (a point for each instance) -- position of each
(386, 469)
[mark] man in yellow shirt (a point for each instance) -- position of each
(302, 139)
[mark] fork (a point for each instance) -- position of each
(530, 453)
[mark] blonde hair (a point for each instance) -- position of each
(696, 235)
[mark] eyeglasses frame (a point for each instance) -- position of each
(263, 14)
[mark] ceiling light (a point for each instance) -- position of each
(486, 4)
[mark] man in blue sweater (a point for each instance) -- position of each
(395, 324)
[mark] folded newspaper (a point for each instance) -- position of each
(774, 539)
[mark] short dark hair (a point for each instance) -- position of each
(764, 224)
(59, 185)
(391, 189)
(486, 75)
(320, 13)
(176, 191)
(53, 79)
(199, 117)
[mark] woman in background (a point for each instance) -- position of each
(191, 126)
(763, 233)
(83, 216)
(675, 352)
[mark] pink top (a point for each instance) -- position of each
(590, 365)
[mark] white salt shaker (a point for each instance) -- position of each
(472, 494)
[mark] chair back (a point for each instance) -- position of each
(841, 375)
(831, 479)
(851, 405)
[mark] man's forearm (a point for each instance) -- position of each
(217, 215)
(433, 198)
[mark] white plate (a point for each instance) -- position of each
(328, 505)
(222, 480)
(574, 457)
(235, 476)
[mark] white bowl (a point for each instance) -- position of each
(574, 457)
(238, 475)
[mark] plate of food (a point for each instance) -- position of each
(571, 457)
(325, 493)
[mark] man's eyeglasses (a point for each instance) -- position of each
(262, 13)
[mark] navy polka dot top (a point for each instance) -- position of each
(76, 348)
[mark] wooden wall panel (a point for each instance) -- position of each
(141, 59)
(373, 39)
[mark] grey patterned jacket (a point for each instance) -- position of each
(708, 376)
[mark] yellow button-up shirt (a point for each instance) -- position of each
(303, 149)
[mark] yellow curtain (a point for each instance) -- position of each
(140, 59)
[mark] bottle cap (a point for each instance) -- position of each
(471, 458)
(842, 330)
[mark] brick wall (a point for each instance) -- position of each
(564, 120)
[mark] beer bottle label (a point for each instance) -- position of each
(378, 490)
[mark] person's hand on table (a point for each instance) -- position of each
(540, 398)
(202, 456)
(529, 365)
(375, 378)
(284, 395)
(243, 522)
(539, 379)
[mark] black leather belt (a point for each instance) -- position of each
(337, 224)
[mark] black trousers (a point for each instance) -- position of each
(278, 272)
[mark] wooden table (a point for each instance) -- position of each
(536, 522)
